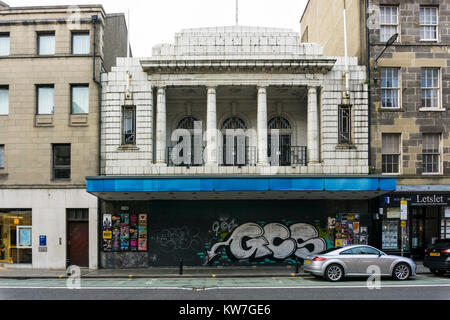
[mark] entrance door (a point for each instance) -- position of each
(78, 237)
(425, 229)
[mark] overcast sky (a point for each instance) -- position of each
(157, 21)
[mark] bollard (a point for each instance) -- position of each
(181, 267)
(296, 266)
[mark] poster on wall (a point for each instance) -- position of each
(107, 234)
(24, 237)
(142, 232)
(116, 239)
(133, 232)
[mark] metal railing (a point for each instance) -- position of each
(286, 156)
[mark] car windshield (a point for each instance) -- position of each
(330, 250)
(442, 244)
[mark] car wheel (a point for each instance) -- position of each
(334, 272)
(402, 272)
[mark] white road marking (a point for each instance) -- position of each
(228, 288)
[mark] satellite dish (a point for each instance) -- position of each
(391, 40)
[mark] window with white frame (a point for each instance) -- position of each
(390, 153)
(431, 153)
(430, 88)
(80, 99)
(429, 23)
(46, 43)
(4, 100)
(390, 88)
(388, 22)
(80, 43)
(4, 44)
(45, 99)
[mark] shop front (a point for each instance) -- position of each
(148, 222)
(15, 236)
(427, 219)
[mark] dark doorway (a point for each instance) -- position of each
(424, 229)
(78, 237)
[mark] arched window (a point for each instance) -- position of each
(282, 156)
(187, 123)
(234, 123)
(278, 122)
(237, 154)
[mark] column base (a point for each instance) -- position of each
(211, 164)
(263, 164)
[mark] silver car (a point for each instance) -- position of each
(358, 260)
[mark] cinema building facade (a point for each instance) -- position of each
(233, 146)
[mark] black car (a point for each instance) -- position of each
(437, 257)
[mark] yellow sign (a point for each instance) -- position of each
(107, 235)
(403, 224)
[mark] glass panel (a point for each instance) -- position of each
(61, 162)
(80, 100)
(80, 43)
(46, 100)
(46, 44)
(14, 240)
(4, 45)
(129, 130)
(2, 156)
(4, 101)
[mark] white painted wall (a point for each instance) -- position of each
(49, 218)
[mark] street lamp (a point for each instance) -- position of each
(388, 44)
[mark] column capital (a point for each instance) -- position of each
(312, 89)
(161, 88)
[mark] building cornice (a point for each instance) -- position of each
(311, 65)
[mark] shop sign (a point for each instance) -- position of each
(430, 199)
(42, 241)
(416, 199)
(393, 213)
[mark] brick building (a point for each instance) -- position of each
(409, 109)
(51, 59)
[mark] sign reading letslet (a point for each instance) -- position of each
(430, 199)
(442, 199)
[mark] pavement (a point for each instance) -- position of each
(12, 272)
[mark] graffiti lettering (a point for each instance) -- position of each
(181, 238)
(251, 241)
(223, 226)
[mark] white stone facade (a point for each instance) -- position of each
(253, 73)
(48, 212)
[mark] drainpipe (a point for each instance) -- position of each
(369, 95)
(346, 94)
(99, 87)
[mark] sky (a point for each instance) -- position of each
(157, 21)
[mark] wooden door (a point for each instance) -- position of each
(78, 243)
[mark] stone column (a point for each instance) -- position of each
(161, 136)
(211, 128)
(262, 126)
(313, 126)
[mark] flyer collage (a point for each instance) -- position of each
(124, 232)
(348, 230)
